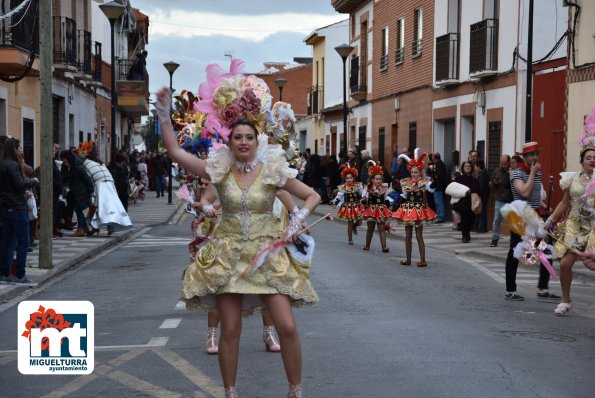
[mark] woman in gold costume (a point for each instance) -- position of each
(221, 274)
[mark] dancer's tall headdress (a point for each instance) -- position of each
(418, 160)
(374, 168)
(346, 169)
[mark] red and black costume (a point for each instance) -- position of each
(375, 209)
(414, 209)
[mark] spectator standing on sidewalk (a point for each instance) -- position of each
(526, 185)
(160, 168)
(483, 177)
(467, 216)
(440, 183)
(120, 174)
(81, 186)
(502, 195)
(363, 172)
(13, 213)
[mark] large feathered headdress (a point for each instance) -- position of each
(346, 169)
(374, 168)
(418, 160)
(587, 138)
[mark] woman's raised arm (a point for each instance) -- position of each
(189, 161)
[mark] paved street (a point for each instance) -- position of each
(380, 329)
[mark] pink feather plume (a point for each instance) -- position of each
(546, 263)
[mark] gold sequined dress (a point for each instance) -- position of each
(579, 229)
(248, 225)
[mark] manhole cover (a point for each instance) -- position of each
(538, 335)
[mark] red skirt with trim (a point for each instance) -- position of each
(414, 213)
(377, 213)
(350, 211)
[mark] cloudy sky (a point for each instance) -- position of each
(195, 33)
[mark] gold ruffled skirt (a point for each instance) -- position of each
(577, 233)
(222, 266)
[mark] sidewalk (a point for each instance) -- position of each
(442, 237)
(69, 251)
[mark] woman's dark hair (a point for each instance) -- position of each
(242, 121)
(68, 156)
(517, 158)
(481, 164)
(11, 149)
(463, 166)
(584, 151)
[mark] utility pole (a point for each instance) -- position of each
(529, 98)
(46, 128)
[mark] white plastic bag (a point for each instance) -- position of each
(32, 207)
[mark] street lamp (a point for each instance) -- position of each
(344, 50)
(280, 82)
(171, 67)
(113, 11)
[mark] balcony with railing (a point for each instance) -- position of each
(384, 62)
(315, 100)
(483, 49)
(447, 59)
(84, 69)
(400, 55)
(65, 48)
(357, 86)
(96, 66)
(416, 48)
(132, 85)
(19, 42)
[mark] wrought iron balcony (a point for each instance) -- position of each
(65, 48)
(357, 86)
(483, 49)
(416, 48)
(384, 62)
(447, 59)
(400, 55)
(315, 100)
(132, 86)
(19, 42)
(84, 54)
(97, 63)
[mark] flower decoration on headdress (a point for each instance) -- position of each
(227, 96)
(418, 160)
(280, 124)
(346, 169)
(587, 138)
(85, 148)
(374, 168)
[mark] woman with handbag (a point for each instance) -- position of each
(466, 205)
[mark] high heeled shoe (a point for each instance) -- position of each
(212, 347)
(230, 392)
(295, 391)
(385, 250)
(270, 342)
(79, 232)
(405, 262)
(422, 264)
(93, 231)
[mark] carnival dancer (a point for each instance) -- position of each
(374, 211)
(578, 230)
(222, 274)
(348, 200)
(414, 211)
(108, 209)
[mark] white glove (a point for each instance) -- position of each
(209, 210)
(295, 226)
(163, 105)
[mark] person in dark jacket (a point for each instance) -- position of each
(120, 173)
(439, 185)
(13, 213)
(160, 167)
(82, 188)
(313, 172)
(463, 206)
(483, 177)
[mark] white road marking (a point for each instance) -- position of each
(157, 341)
(171, 323)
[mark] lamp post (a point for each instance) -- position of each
(344, 50)
(171, 67)
(280, 82)
(113, 11)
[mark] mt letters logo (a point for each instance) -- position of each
(56, 337)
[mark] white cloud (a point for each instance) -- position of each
(179, 23)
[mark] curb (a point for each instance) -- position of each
(583, 274)
(14, 291)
